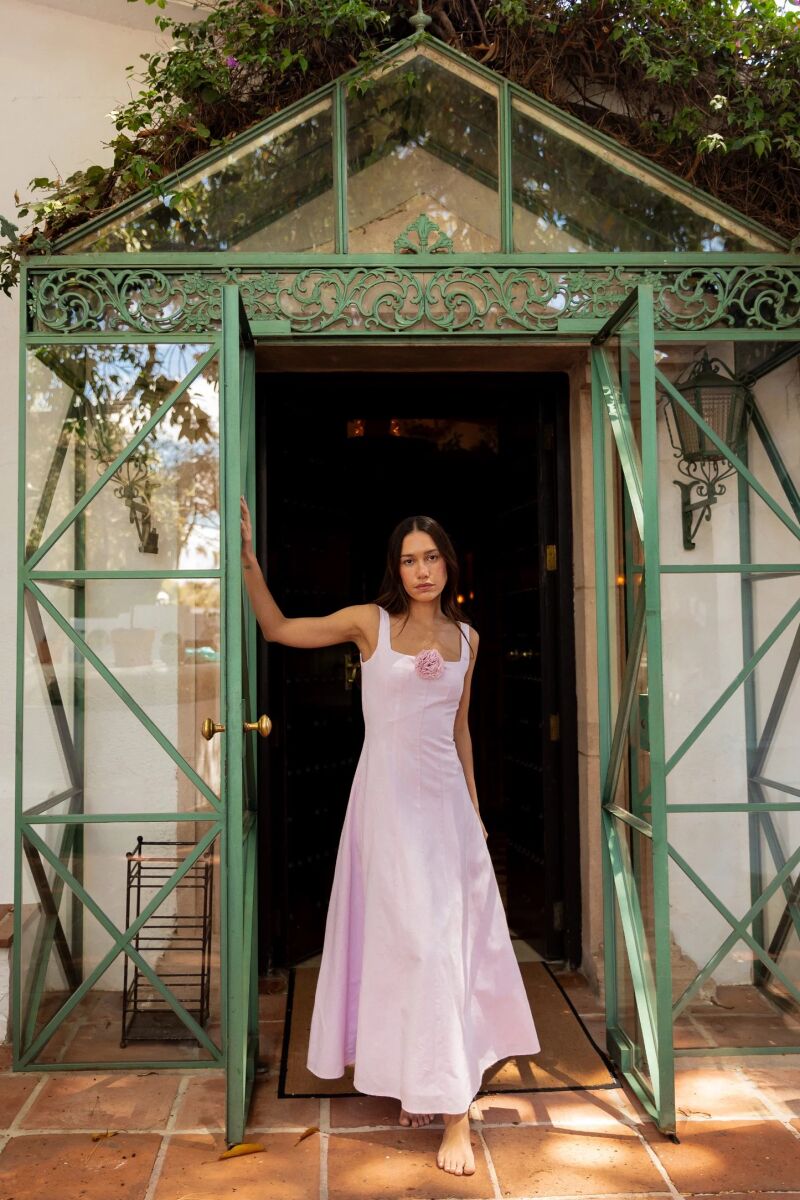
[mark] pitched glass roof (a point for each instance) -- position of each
(430, 136)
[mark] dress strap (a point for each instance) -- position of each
(464, 648)
(383, 628)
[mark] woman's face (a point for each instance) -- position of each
(422, 567)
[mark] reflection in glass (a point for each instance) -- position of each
(731, 721)
(51, 771)
(161, 506)
(273, 193)
(180, 942)
(423, 140)
(570, 198)
(160, 639)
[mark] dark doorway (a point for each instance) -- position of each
(342, 457)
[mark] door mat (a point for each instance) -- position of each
(569, 1059)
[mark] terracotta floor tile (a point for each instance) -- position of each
(349, 1111)
(122, 1100)
(388, 1165)
(14, 1091)
(287, 1170)
(714, 1094)
(203, 1106)
(779, 1085)
(750, 1030)
(741, 998)
(100, 1043)
(270, 1043)
(568, 1110)
(574, 983)
(272, 1006)
(557, 1162)
(270, 1110)
(725, 1156)
(33, 1167)
(686, 1033)
(276, 980)
(54, 1048)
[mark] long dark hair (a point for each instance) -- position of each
(394, 597)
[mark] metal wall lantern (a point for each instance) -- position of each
(723, 401)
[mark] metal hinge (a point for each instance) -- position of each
(558, 914)
(551, 558)
(555, 727)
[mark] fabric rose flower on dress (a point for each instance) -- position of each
(429, 664)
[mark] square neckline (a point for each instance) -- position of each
(402, 654)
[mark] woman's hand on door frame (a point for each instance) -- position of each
(246, 526)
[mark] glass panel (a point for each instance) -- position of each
(629, 1005)
(626, 570)
(733, 1006)
(422, 140)
(49, 938)
(180, 941)
(568, 196)
(628, 783)
(170, 668)
(718, 531)
(712, 625)
(273, 193)
(50, 766)
(161, 507)
(161, 640)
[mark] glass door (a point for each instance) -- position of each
(634, 842)
(243, 726)
(135, 825)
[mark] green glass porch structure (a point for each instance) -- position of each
(440, 204)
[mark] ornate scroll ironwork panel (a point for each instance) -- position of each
(413, 299)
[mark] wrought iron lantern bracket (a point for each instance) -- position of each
(724, 402)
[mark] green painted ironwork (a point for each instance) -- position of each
(423, 236)
(638, 901)
(241, 1011)
(652, 996)
(56, 940)
(419, 297)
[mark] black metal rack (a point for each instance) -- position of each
(181, 938)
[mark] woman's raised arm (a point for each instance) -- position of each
(351, 624)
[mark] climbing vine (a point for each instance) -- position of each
(709, 89)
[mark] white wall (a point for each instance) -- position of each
(60, 75)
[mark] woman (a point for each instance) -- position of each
(419, 988)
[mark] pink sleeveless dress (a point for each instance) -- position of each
(418, 983)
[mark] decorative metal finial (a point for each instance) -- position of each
(420, 19)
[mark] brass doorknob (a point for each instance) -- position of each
(209, 728)
(263, 725)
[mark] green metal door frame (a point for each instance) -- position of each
(650, 966)
(132, 300)
(645, 815)
(229, 821)
(241, 1020)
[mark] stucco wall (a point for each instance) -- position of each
(60, 76)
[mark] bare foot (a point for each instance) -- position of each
(415, 1119)
(455, 1153)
